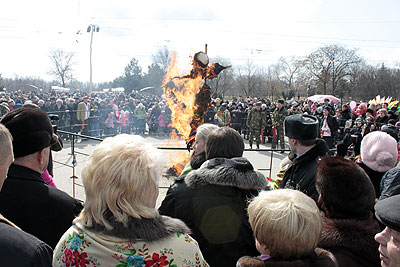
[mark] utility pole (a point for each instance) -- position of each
(91, 28)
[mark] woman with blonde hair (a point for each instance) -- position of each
(120, 225)
(287, 227)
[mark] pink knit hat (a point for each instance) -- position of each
(379, 151)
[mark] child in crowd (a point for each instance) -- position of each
(161, 123)
(287, 227)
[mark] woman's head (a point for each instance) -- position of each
(287, 222)
(346, 192)
(382, 112)
(224, 142)
(121, 178)
(202, 133)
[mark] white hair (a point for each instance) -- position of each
(121, 177)
(205, 129)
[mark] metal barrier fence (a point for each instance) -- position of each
(95, 125)
(73, 137)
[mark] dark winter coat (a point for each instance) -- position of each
(212, 201)
(346, 115)
(390, 182)
(381, 120)
(39, 209)
(238, 118)
(321, 258)
(301, 172)
(351, 241)
(374, 176)
(18, 248)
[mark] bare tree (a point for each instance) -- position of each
(223, 83)
(287, 71)
(1, 82)
(318, 68)
(62, 63)
(162, 58)
(330, 64)
(270, 82)
(248, 78)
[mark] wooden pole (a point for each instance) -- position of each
(205, 51)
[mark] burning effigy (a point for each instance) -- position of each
(188, 96)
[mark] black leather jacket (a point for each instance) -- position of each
(301, 173)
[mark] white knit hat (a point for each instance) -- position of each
(379, 151)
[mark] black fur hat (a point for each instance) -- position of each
(301, 127)
(31, 130)
(346, 190)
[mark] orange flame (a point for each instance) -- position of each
(180, 98)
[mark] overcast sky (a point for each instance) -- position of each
(260, 31)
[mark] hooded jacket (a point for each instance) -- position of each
(301, 172)
(212, 201)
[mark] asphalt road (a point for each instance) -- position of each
(63, 171)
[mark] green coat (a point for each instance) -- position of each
(256, 119)
(278, 117)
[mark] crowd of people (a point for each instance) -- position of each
(326, 210)
(258, 120)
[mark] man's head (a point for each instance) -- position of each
(280, 103)
(32, 135)
(258, 105)
(302, 129)
(326, 101)
(6, 153)
(387, 211)
(326, 111)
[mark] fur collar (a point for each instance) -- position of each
(356, 236)
(237, 172)
(197, 160)
(143, 229)
(321, 258)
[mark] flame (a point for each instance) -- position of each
(180, 98)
